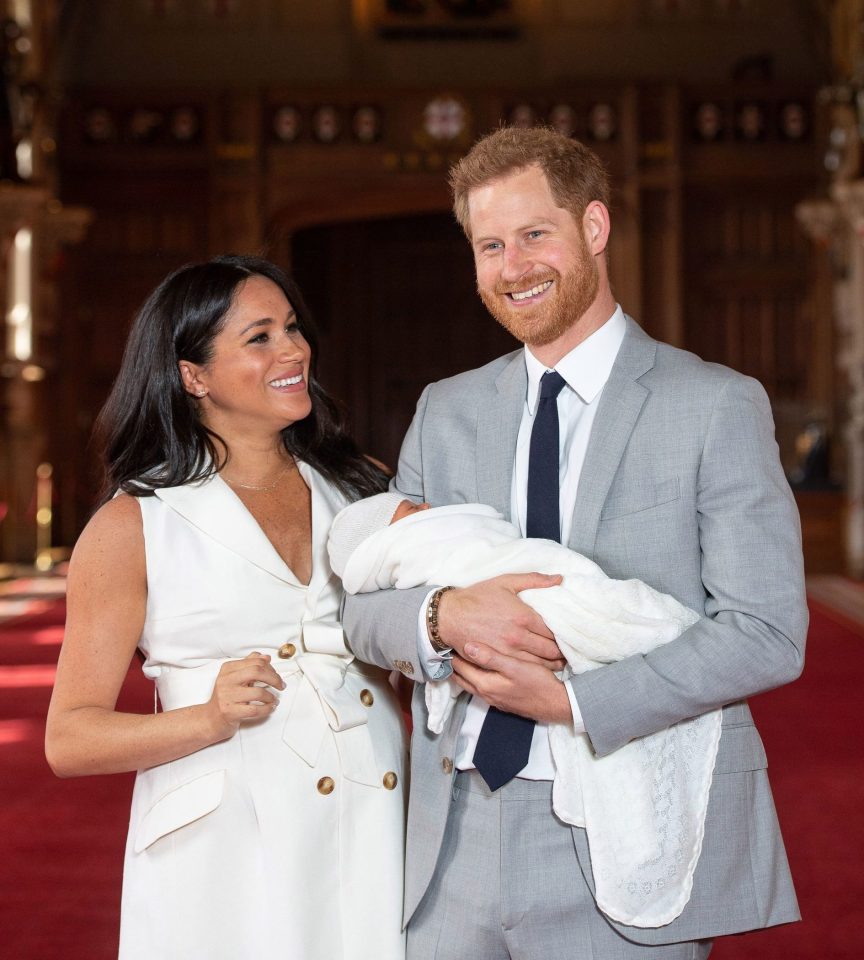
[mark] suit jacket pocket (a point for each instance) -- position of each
(644, 497)
(184, 804)
(740, 749)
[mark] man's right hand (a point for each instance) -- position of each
(491, 612)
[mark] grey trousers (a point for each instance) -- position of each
(507, 887)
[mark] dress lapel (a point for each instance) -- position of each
(217, 511)
(620, 405)
(497, 432)
(327, 501)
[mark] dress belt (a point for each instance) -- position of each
(318, 701)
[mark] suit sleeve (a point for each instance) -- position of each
(381, 627)
(753, 633)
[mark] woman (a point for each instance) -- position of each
(267, 817)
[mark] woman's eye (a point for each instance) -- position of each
(293, 329)
(260, 338)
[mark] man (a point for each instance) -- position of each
(662, 468)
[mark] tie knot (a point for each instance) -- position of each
(551, 384)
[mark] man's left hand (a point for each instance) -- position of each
(511, 684)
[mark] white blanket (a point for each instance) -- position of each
(643, 806)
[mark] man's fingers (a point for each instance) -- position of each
(529, 581)
(482, 655)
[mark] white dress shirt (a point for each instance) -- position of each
(585, 371)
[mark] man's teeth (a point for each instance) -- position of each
(525, 294)
(287, 382)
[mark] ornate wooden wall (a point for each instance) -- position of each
(704, 252)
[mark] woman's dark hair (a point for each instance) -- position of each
(149, 430)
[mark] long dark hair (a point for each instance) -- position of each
(149, 430)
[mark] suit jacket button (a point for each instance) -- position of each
(390, 780)
(286, 651)
(366, 698)
(404, 666)
(447, 765)
(326, 785)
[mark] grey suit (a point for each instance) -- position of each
(682, 488)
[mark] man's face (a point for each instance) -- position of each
(535, 272)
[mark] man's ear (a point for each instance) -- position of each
(596, 226)
(190, 374)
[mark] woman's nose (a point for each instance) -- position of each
(292, 347)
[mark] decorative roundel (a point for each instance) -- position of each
(326, 123)
(99, 125)
(444, 118)
(144, 124)
(793, 120)
(287, 123)
(522, 115)
(185, 124)
(366, 124)
(563, 118)
(602, 122)
(750, 121)
(708, 122)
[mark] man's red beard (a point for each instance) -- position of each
(564, 305)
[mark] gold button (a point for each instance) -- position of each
(326, 785)
(447, 765)
(390, 780)
(366, 698)
(287, 650)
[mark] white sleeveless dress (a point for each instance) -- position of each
(285, 841)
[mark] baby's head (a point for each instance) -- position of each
(406, 508)
(352, 525)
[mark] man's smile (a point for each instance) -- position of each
(535, 291)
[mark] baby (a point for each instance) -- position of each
(643, 807)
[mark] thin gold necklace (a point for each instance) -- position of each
(263, 488)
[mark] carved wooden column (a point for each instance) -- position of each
(836, 225)
(849, 315)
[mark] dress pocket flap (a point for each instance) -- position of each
(740, 749)
(185, 803)
(643, 497)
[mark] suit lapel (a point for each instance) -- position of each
(619, 409)
(213, 508)
(497, 430)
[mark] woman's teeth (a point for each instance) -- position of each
(287, 382)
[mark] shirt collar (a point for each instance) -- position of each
(586, 367)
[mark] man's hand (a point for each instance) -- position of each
(512, 684)
(490, 613)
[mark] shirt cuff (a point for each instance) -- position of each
(578, 722)
(435, 663)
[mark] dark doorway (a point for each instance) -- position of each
(396, 306)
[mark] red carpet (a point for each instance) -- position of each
(61, 841)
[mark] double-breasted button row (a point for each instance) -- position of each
(326, 785)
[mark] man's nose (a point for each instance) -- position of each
(515, 263)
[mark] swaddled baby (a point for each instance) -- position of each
(643, 806)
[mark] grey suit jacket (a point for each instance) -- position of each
(681, 487)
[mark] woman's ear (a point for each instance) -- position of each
(190, 375)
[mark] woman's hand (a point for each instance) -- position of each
(241, 693)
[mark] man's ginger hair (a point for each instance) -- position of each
(575, 174)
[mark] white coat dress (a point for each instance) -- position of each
(285, 841)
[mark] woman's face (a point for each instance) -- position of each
(257, 378)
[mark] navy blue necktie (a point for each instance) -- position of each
(505, 739)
